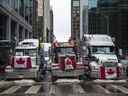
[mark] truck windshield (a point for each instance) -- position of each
(66, 50)
(102, 50)
(26, 52)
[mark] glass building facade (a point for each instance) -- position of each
(16, 15)
(109, 17)
(22, 7)
(75, 19)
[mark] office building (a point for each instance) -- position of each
(75, 19)
(83, 18)
(42, 20)
(51, 34)
(16, 19)
(110, 17)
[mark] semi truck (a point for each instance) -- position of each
(100, 58)
(26, 62)
(65, 61)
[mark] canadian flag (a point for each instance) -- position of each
(20, 63)
(68, 64)
(107, 73)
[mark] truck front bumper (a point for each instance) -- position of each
(21, 73)
(71, 73)
(94, 74)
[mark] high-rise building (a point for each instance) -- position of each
(16, 19)
(42, 20)
(83, 17)
(46, 20)
(110, 17)
(51, 34)
(75, 19)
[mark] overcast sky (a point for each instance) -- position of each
(62, 19)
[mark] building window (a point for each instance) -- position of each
(76, 3)
(21, 7)
(16, 5)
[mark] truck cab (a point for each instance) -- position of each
(26, 61)
(102, 59)
(65, 63)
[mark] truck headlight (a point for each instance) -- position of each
(8, 69)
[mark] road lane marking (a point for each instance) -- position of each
(80, 89)
(109, 81)
(11, 90)
(52, 90)
(77, 90)
(68, 81)
(33, 89)
(102, 89)
(121, 88)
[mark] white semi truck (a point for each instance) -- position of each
(26, 62)
(99, 56)
(65, 63)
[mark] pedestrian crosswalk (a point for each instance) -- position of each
(33, 89)
(120, 88)
(104, 90)
(11, 90)
(79, 89)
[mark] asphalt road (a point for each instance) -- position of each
(63, 88)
